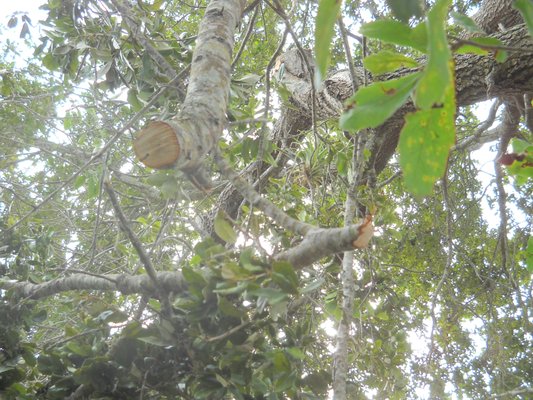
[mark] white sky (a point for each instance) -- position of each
(7, 7)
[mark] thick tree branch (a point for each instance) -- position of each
(247, 191)
(478, 78)
(184, 141)
(322, 242)
(123, 283)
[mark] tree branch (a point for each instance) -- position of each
(183, 142)
(125, 284)
(322, 242)
(248, 192)
(137, 245)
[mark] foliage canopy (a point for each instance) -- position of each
(122, 281)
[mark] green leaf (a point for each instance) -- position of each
(283, 274)
(522, 171)
(132, 330)
(112, 316)
(156, 341)
(83, 350)
(328, 11)
(484, 46)
(296, 352)
(437, 74)
(387, 61)
(466, 22)
(13, 21)
(25, 31)
(158, 179)
(192, 277)
(227, 308)
(342, 163)
(80, 180)
(526, 9)
(425, 141)
(134, 101)
(419, 38)
(396, 32)
(372, 105)
(313, 285)
(224, 230)
(156, 5)
(234, 272)
(248, 79)
(246, 260)
(50, 62)
(273, 296)
(169, 188)
(383, 316)
(404, 10)
(520, 146)
(93, 186)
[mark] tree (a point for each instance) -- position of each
(194, 206)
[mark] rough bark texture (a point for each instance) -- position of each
(478, 78)
(492, 16)
(203, 115)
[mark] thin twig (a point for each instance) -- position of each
(228, 333)
(348, 53)
(132, 23)
(249, 193)
(246, 38)
(143, 256)
(97, 155)
(481, 129)
(447, 267)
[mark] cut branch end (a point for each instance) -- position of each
(157, 145)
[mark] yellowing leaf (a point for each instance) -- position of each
(437, 75)
(425, 142)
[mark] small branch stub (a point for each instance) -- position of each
(157, 146)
